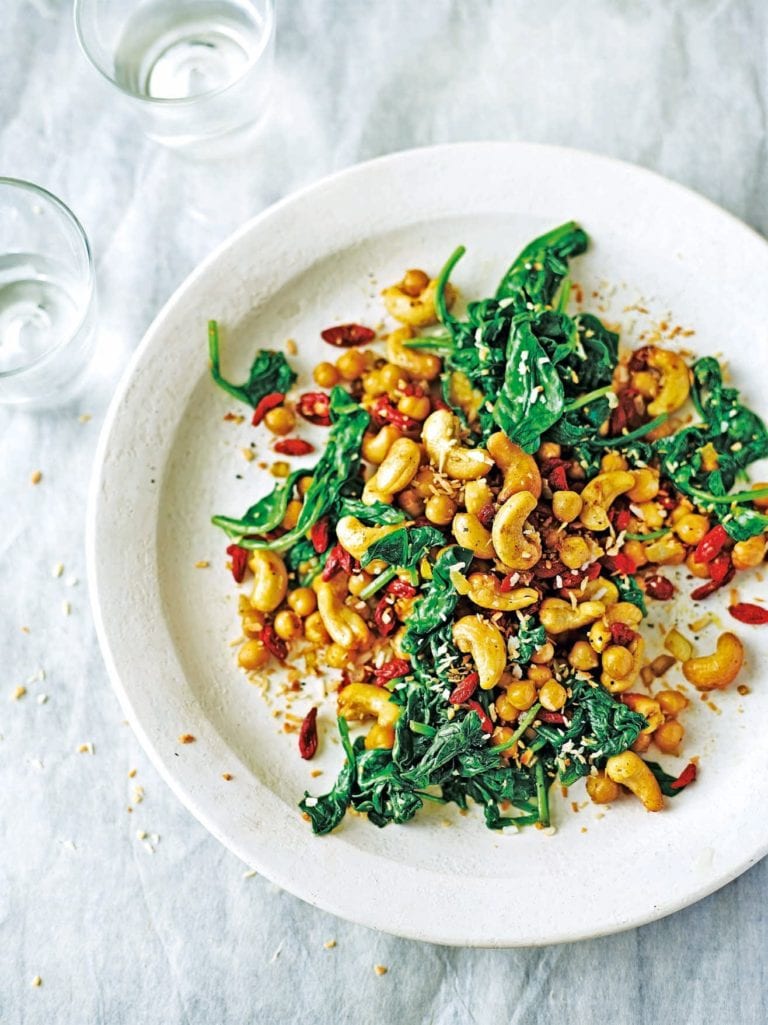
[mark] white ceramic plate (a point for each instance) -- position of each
(167, 461)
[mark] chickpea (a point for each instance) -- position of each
(582, 656)
(414, 282)
(636, 551)
(642, 743)
(652, 514)
(505, 709)
(336, 656)
(539, 674)
(351, 364)
(287, 625)
(669, 736)
(553, 696)
(566, 505)
(292, 511)
(305, 483)
(749, 553)
(549, 450)
(501, 735)
(697, 569)
(440, 509)
(544, 654)
(617, 661)
(760, 503)
(325, 375)
(357, 582)
(671, 702)
(314, 629)
(252, 655)
(411, 502)
(574, 551)
(391, 376)
(602, 790)
(418, 407)
(521, 695)
(691, 528)
(477, 495)
(303, 601)
(646, 485)
(613, 461)
(280, 420)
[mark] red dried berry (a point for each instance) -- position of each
(464, 691)
(486, 514)
(293, 447)
(345, 335)
(620, 517)
(315, 406)
(320, 535)
(716, 582)
(391, 670)
(659, 587)
(401, 589)
(639, 359)
(308, 735)
(270, 401)
(275, 645)
(624, 564)
(688, 775)
(338, 559)
(711, 544)
(555, 718)
(549, 567)
(384, 617)
(623, 634)
(746, 612)
(383, 411)
(485, 719)
(239, 557)
(558, 481)
(719, 567)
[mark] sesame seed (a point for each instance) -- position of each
(42, 698)
(227, 776)
(66, 608)
(57, 569)
(132, 773)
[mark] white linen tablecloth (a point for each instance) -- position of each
(169, 928)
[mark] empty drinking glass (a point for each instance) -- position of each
(47, 298)
(195, 71)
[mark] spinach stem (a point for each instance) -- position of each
(378, 582)
(542, 794)
(440, 304)
(525, 722)
(213, 354)
(424, 729)
(736, 499)
(650, 536)
(585, 400)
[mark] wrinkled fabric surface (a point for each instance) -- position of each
(119, 934)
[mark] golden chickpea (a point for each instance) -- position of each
(544, 654)
(292, 511)
(539, 674)
(553, 696)
(761, 503)
(440, 509)
(574, 552)
(357, 582)
(253, 655)
(582, 656)
(566, 505)
(671, 702)
(391, 375)
(501, 735)
(351, 364)
(613, 461)
(646, 485)
(280, 420)
(414, 283)
(417, 407)
(521, 695)
(683, 508)
(253, 623)
(602, 790)
(305, 483)
(618, 661)
(636, 551)
(691, 528)
(411, 502)
(303, 601)
(549, 450)
(669, 736)
(505, 709)
(379, 736)
(642, 743)
(697, 569)
(287, 625)
(326, 375)
(749, 553)
(336, 656)
(314, 629)
(652, 515)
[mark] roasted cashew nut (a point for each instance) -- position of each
(346, 627)
(376, 446)
(599, 495)
(718, 670)
(415, 306)
(470, 533)
(485, 643)
(366, 701)
(521, 472)
(517, 544)
(355, 538)
(441, 437)
(647, 707)
(423, 365)
(484, 590)
(675, 380)
(559, 616)
(270, 580)
(631, 772)
(397, 470)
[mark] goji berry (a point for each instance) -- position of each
(401, 588)
(659, 587)
(485, 720)
(688, 775)
(464, 691)
(338, 559)
(719, 567)
(555, 718)
(624, 564)
(391, 670)
(383, 411)
(308, 735)
(293, 447)
(620, 517)
(274, 644)
(320, 535)
(315, 406)
(711, 544)
(345, 335)
(746, 612)
(623, 634)
(486, 514)
(239, 557)
(270, 401)
(384, 617)
(558, 480)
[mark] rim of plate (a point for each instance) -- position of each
(187, 777)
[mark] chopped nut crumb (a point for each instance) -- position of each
(35, 477)
(315, 773)
(187, 738)
(250, 873)
(19, 692)
(202, 564)
(248, 454)
(84, 418)
(291, 347)
(132, 773)
(329, 944)
(140, 834)
(380, 969)
(57, 569)
(743, 689)
(42, 698)
(37, 982)
(227, 776)
(66, 608)
(85, 749)
(25, 629)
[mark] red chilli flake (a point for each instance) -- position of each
(688, 775)
(343, 336)
(746, 612)
(391, 670)
(659, 587)
(315, 406)
(464, 691)
(401, 589)
(320, 535)
(308, 735)
(623, 634)
(274, 644)
(239, 557)
(338, 559)
(271, 401)
(711, 544)
(485, 722)
(293, 447)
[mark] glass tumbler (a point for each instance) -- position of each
(47, 297)
(194, 71)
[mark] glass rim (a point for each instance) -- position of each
(170, 101)
(26, 186)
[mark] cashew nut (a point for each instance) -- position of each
(599, 495)
(618, 684)
(366, 701)
(397, 470)
(412, 300)
(675, 380)
(346, 627)
(485, 643)
(355, 538)
(440, 435)
(462, 394)
(484, 590)
(517, 544)
(423, 365)
(270, 579)
(631, 771)
(470, 533)
(375, 446)
(558, 616)
(718, 670)
(521, 472)
(647, 707)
